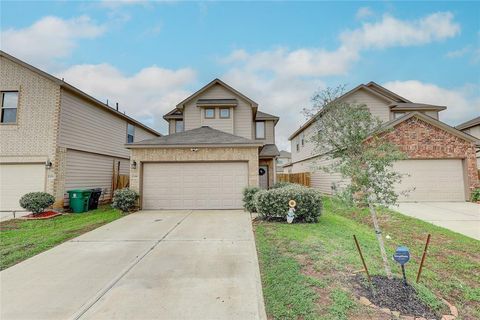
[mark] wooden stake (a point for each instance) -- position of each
(423, 257)
(363, 260)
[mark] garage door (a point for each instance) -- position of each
(433, 180)
(18, 179)
(207, 185)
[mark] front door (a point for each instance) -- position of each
(263, 173)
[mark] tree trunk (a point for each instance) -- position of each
(378, 232)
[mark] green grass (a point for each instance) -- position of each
(22, 239)
(307, 268)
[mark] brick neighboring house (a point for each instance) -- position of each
(441, 164)
(472, 127)
(55, 137)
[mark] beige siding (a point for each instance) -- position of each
(473, 131)
(171, 126)
(308, 148)
(433, 114)
(86, 127)
(34, 133)
(270, 132)
(142, 134)
(225, 125)
(324, 181)
(377, 106)
(242, 113)
(88, 170)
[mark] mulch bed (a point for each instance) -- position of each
(41, 216)
(394, 295)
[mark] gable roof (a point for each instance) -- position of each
(203, 136)
(77, 91)
(174, 114)
(378, 91)
(268, 151)
(468, 124)
(434, 122)
(211, 84)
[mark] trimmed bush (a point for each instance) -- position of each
(36, 202)
(283, 184)
(248, 197)
(273, 203)
(125, 199)
(476, 195)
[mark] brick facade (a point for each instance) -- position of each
(419, 139)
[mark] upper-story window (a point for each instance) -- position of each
(224, 113)
(130, 133)
(209, 113)
(303, 139)
(260, 130)
(179, 126)
(9, 106)
(397, 115)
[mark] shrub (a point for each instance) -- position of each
(476, 195)
(273, 203)
(124, 199)
(282, 184)
(248, 197)
(36, 202)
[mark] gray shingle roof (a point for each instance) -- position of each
(269, 150)
(199, 136)
(285, 154)
(469, 124)
(265, 116)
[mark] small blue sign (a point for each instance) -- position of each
(402, 255)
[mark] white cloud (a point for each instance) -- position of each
(386, 33)
(146, 95)
(363, 12)
(459, 53)
(113, 4)
(462, 103)
(49, 38)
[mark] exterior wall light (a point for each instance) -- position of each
(48, 164)
(194, 149)
(133, 165)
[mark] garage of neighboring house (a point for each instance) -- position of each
(201, 168)
(17, 179)
(441, 162)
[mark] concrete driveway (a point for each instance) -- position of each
(148, 265)
(461, 217)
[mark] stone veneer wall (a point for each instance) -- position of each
(421, 140)
(140, 155)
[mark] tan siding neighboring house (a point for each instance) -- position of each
(61, 134)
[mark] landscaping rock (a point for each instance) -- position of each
(385, 310)
(365, 301)
(448, 317)
(407, 318)
(396, 314)
(454, 311)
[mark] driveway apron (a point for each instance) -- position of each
(148, 265)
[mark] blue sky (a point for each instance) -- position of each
(148, 56)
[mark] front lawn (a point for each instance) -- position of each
(22, 239)
(308, 269)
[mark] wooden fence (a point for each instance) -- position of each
(302, 178)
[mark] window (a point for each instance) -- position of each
(130, 133)
(303, 139)
(397, 115)
(298, 147)
(9, 106)
(179, 126)
(209, 113)
(260, 130)
(225, 113)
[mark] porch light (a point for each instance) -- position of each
(48, 164)
(133, 165)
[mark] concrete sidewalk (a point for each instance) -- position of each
(148, 265)
(461, 217)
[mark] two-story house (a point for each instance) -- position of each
(441, 164)
(55, 138)
(218, 143)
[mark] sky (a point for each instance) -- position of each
(148, 56)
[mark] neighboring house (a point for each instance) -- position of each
(219, 143)
(441, 159)
(283, 159)
(472, 127)
(55, 137)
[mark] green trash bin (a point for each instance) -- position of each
(79, 200)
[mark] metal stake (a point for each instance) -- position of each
(404, 276)
(363, 260)
(423, 257)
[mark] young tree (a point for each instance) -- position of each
(355, 142)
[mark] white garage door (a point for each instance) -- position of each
(18, 179)
(207, 185)
(433, 180)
